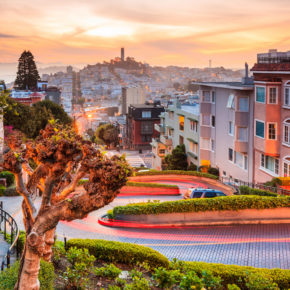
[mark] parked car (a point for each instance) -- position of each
(202, 193)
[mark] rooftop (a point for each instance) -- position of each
(227, 85)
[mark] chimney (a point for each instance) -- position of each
(246, 70)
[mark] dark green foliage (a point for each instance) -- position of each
(203, 204)
(192, 167)
(2, 190)
(241, 275)
(46, 276)
(30, 120)
(108, 134)
(11, 191)
(166, 278)
(8, 176)
(246, 190)
(130, 254)
(27, 74)
(176, 172)
(108, 271)
(213, 171)
(177, 160)
(274, 182)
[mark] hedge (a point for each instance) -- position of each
(203, 204)
(176, 172)
(246, 190)
(110, 251)
(147, 184)
(10, 179)
(232, 274)
(46, 276)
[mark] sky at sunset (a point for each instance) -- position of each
(160, 32)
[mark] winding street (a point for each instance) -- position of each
(251, 245)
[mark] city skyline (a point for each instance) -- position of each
(163, 33)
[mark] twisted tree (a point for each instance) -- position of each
(62, 158)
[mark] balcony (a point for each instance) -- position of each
(166, 140)
(242, 119)
(204, 155)
(159, 128)
(205, 108)
(205, 132)
(241, 146)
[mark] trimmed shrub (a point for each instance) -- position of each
(8, 277)
(2, 189)
(147, 184)
(203, 204)
(8, 176)
(176, 172)
(11, 191)
(246, 190)
(239, 275)
(118, 252)
(214, 171)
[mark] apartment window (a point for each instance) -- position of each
(181, 140)
(243, 104)
(146, 138)
(213, 97)
(161, 151)
(286, 132)
(193, 147)
(206, 120)
(206, 96)
(287, 97)
(242, 134)
(272, 128)
(193, 126)
(286, 167)
(269, 163)
(231, 102)
(239, 159)
(224, 173)
(245, 162)
(213, 121)
(260, 129)
(146, 114)
(231, 128)
(212, 145)
(171, 115)
(181, 123)
(147, 127)
(231, 154)
(260, 94)
(273, 96)
(170, 132)
(205, 143)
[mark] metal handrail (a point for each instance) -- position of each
(236, 183)
(6, 217)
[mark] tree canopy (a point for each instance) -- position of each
(108, 134)
(177, 160)
(62, 158)
(30, 120)
(27, 74)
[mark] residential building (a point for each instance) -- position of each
(271, 116)
(140, 125)
(226, 131)
(179, 125)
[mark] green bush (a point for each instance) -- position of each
(108, 271)
(10, 179)
(176, 172)
(241, 275)
(246, 190)
(11, 191)
(213, 171)
(2, 189)
(118, 252)
(147, 184)
(8, 277)
(203, 204)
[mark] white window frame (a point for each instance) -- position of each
(288, 126)
(201, 116)
(212, 145)
(203, 97)
(286, 86)
(238, 136)
(233, 126)
(231, 101)
(276, 127)
(265, 169)
(255, 128)
(201, 143)
(256, 94)
(269, 95)
(287, 163)
(213, 97)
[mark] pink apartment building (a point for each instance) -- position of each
(271, 152)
